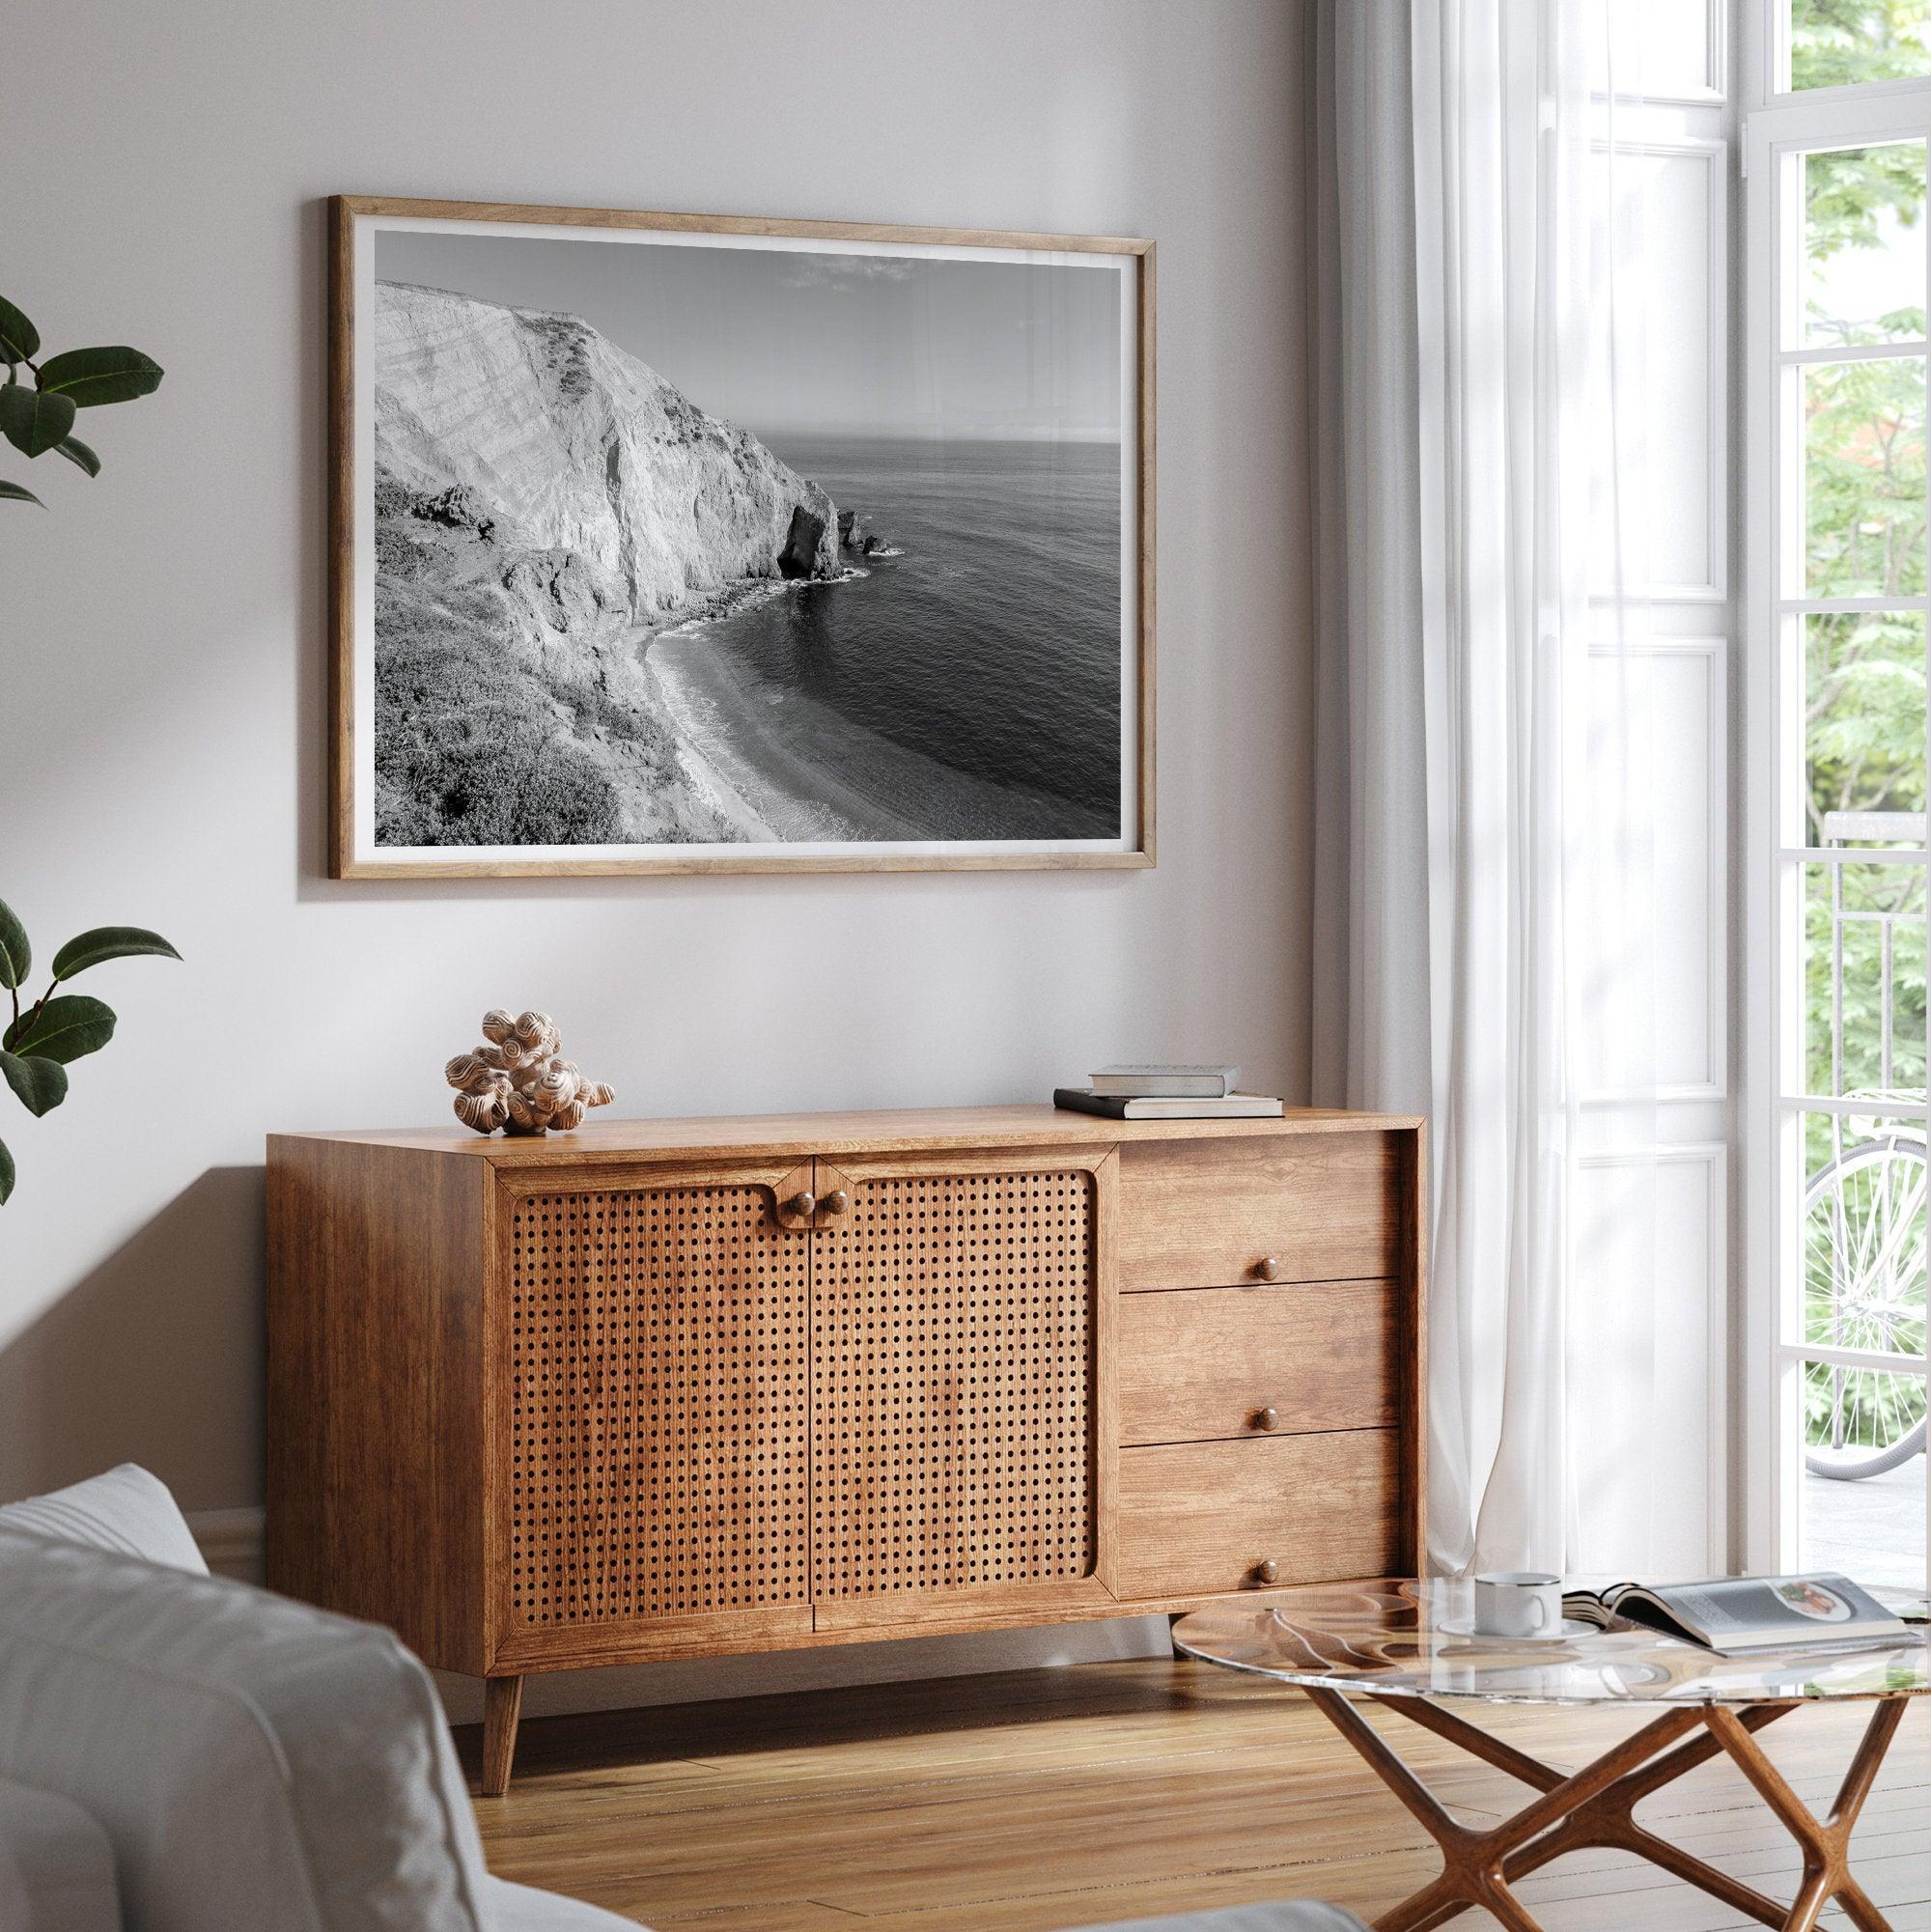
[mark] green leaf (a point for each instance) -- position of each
(16, 956)
(20, 342)
(91, 376)
(64, 1030)
(41, 1084)
(33, 420)
(77, 452)
(108, 942)
(11, 493)
(5, 1174)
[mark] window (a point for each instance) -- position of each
(1837, 358)
(1854, 43)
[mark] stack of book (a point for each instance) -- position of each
(1166, 1093)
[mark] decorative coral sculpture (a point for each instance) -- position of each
(518, 1079)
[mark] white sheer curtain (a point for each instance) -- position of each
(1482, 877)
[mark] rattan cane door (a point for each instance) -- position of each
(956, 1389)
(657, 1410)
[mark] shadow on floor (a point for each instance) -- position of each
(1005, 1701)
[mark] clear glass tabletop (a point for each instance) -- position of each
(1403, 1638)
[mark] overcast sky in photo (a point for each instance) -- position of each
(782, 341)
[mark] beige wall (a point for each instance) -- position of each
(162, 646)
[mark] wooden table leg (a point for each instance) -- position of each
(1475, 1863)
(1608, 1821)
(1825, 1843)
(502, 1706)
(1476, 1742)
(1595, 1805)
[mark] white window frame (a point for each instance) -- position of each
(1777, 125)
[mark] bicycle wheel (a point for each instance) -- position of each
(1863, 1288)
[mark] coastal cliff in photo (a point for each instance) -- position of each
(544, 503)
(763, 548)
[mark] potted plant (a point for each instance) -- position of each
(45, 1036)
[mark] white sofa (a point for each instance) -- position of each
(183, 1753)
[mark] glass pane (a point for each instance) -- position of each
(1863, 1508)
(1863, 245)
(1841, 43)
(1861, 1231)
(1863, 478)
(1864, 728)
(1653, 47)
(1864, 981)
(1864, 1252)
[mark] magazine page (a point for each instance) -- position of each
(1913, 1606)
(1793, 1609)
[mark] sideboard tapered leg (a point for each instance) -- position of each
(502, 1706)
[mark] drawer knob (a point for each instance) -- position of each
(1268, 1268)
(1268, 1418)
(1267, 1571)
(836, 1201)
(803, 1205)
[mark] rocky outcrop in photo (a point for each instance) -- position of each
(856, 534)
(544, 503)
(802, 543)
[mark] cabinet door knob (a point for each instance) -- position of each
(1268, 1418)
(836, 1201)
(1266, 1570)
(803, 1205)
(1268, 1268)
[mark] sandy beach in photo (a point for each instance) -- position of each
(631, 588)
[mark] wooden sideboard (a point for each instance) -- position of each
(674, 1389)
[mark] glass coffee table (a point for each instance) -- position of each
(1409, 1647)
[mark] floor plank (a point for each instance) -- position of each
(1051, 1799)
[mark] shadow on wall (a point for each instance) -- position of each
(155, 1357)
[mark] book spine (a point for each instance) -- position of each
(1076, 1100)
(1160, 1090)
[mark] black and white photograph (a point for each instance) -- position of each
(675, 549)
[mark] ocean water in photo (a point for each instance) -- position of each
(965, 687)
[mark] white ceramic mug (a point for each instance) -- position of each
(1518, 1603)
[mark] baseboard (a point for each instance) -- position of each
(232, 1542)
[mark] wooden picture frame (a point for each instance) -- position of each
(452, 551)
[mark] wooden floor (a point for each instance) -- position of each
(1063, 1797)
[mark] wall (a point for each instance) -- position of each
(162, 708)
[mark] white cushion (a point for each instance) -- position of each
(126, 1510)
(56, 1866)
(255, 1763)
(517, 1908)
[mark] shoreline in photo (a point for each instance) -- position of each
(693, 547)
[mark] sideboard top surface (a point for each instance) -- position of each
(869, 1131)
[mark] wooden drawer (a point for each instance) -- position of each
(1198, 1363)
(1309, 1207)
(1200, 1518)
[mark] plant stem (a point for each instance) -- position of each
(34, 1011)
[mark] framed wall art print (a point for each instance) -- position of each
(671, 542)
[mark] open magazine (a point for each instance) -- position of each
(1736, 1616)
